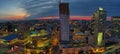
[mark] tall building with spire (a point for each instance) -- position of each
(64, 22)
(98, 26)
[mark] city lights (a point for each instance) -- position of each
(59, 27)
(100, 38)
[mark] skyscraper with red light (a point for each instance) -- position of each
(64, 22)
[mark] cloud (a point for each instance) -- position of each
(47, 7)
(43, 8)
(40, 8)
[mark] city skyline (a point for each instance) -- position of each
(33, 9)
(71, 29)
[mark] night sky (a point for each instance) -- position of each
(33, 9)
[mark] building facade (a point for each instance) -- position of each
(64, 22)
(98, 26)
(116, 26)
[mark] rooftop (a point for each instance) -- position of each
(10, 37)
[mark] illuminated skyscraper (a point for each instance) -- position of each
(64, 22)
(98, 26)
(116, 26)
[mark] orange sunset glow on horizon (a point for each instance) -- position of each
(19, 16)
(71, 18)
(22, 17)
